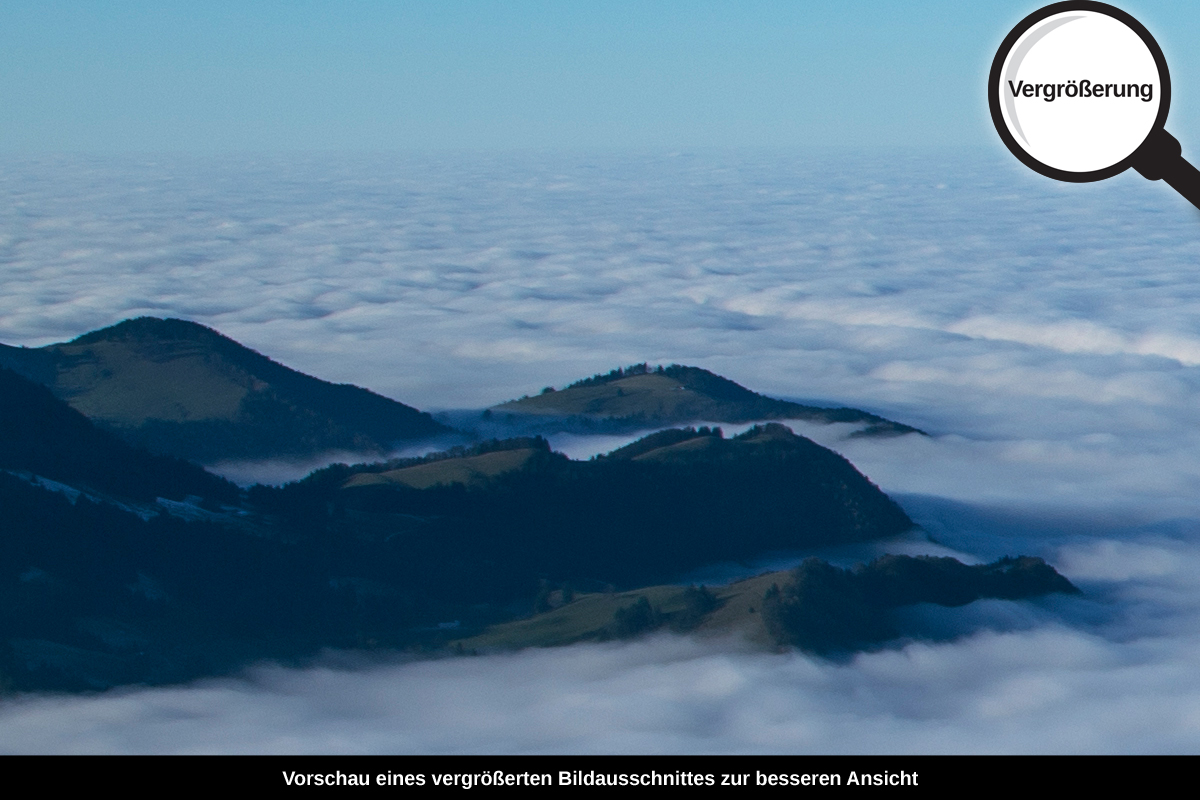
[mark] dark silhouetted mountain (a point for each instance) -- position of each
(93, 595)
(42, 435)
(823, 608)
(506, 512)
(96, 591)
(641, 396)
(179, 388)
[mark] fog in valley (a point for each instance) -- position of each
(1046, 336)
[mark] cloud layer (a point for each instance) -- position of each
(1047, 335)
(459, 283)
(1045, 689)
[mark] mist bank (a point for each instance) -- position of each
(1043, 334)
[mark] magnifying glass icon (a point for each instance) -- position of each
(1079, 91)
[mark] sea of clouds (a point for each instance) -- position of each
(1046, 335)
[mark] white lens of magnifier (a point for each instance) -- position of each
(1112, 76)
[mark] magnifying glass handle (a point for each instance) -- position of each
(1161, 158)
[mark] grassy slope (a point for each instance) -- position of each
(470, 471)
(43, 435)
(652, 395)
(589, 617)
(123, 383)
(817, 607)
(180, 388)
(679, 394)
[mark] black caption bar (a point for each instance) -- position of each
(555, 775)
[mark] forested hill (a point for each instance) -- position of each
(181, 389)
(105, 586)
(43, 436)
(643, 396)
(506, 512)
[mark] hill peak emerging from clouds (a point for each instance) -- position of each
(179, 388)
(678, 394)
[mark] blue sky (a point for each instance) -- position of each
(366, 75)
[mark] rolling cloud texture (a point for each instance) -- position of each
(1047, 335)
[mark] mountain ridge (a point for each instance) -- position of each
(180, 388)
(44, 436)
(97, 592)
(640, 395)
(624, 518)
